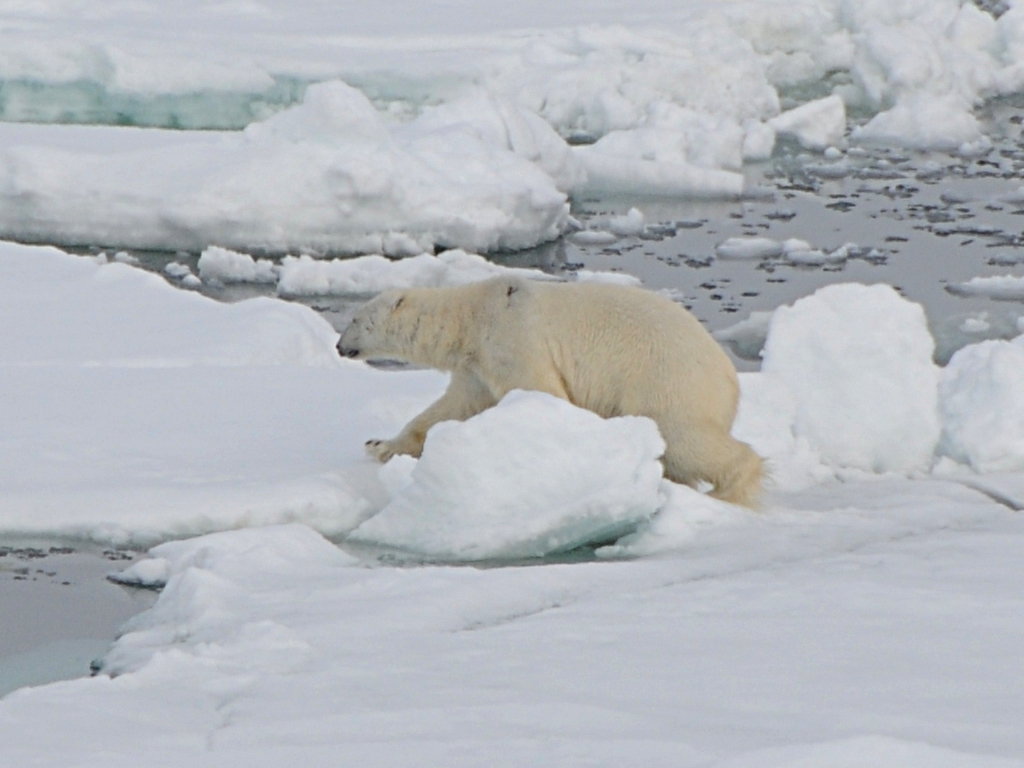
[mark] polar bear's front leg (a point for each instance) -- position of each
(466, 396)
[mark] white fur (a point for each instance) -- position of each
(611, 349)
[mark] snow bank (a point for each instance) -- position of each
(530, 477)
(850, 370)
(983, 407)
(329, 175)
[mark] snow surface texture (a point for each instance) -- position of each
(869, 622)
(401, 131)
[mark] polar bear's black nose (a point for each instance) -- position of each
(347, 351)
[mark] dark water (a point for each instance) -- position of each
(57, 610)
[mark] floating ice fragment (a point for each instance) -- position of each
(593, 237)
(800, 252)
(748, 248)
(1001, 287)
(632, 223)
(226, 266)
(746, 338)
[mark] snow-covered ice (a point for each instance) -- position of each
(147, 414)
(328, 175)
(399, 131)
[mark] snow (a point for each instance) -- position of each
(231, 437)
(547, 477)
(868, 614)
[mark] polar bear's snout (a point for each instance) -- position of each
(350, 344)
(345, 350)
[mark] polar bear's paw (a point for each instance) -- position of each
(381, 450)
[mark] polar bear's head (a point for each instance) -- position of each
(373, 332)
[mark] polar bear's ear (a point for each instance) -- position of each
(398, 302)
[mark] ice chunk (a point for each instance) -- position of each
(767, 421)
(982, 402)
(593, 237)
(816, 125)
(631, 223)
(226, 266)
(746, 338)
(532, 476)
(607, 173)
(923, 121)
(503, 124)
(799, 251)
(748, 248)
(1004, 287)
(675, 151)
(758, 141)
(858, 361)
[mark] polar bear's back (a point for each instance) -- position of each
(629, 347)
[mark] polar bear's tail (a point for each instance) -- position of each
(738, 480)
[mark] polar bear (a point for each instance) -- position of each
(611, 349)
